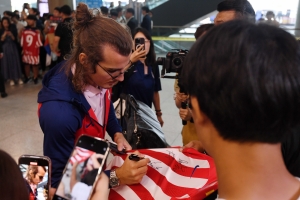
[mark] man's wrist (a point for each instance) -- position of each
(114, 181)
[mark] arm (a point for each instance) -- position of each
(59, 122)
(55, 45)
(73, 179)
(58, 33)
(115, 130)
(156, 102)
(156, 98)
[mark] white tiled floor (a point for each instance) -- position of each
(20, 132)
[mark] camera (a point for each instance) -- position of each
(173, 62)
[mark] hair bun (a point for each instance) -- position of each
(83, 16)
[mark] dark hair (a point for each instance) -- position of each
(36, 11)
(91, 34)
(246, 80)
(12, 183)
(57, 8)
(9, 13)
(113, 12)
(17, 16)
(130, 10)
(25, 5)
(32, 17)
(243, 8)
(8, 20)
(146, 8)
(201, 29)
(65, 9)
(104, 10)
(151, 57)
(119, 9)
(270, 13)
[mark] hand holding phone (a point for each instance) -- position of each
(36, 172)
(83, 169)
(138, 42)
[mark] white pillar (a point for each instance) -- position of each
(5, 5)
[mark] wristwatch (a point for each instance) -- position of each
(113, 179)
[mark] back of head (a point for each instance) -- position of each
(8, 13)
(12, 183)
(242, 7)
(246, 80)
(114, 13)
(146, 9)
(202, 29)
(16, 16)
(91, 35)
(119, 9)
(57, 9)
(66, 10)
(36, 11)
(130, 10)
(104, 10)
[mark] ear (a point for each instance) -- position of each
(82, 58)
(198, 116)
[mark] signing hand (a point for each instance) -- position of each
(121, 142)
(132, 172)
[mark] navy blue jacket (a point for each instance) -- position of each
(61, 115)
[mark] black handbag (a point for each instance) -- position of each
(142, 129)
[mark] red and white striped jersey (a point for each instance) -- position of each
(31, 43)
(81, 155)
(171, 175)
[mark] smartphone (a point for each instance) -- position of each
(138, 42)
(114, 147)
(83, 169)
(36, 171)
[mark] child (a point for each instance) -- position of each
(31, 43)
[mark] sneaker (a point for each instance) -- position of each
(20, 82)
(3, 94)
(35, 80)
(12, 82)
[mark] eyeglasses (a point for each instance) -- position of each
(113, 77)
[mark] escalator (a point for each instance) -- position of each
(169, 14)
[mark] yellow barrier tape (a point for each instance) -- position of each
(173, 39)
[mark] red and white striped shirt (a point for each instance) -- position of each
(31, 43)
(171, 175)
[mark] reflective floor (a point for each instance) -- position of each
(20, 132)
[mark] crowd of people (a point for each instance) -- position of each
(29, 41)
(241, 79)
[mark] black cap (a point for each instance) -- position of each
(33, 17)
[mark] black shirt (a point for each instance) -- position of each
(64, 31)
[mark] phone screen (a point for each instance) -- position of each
(82, 169)
(36, 173)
